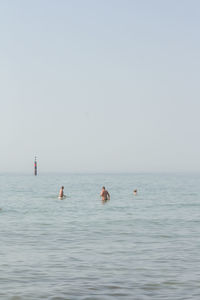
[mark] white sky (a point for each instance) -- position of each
(100, 86)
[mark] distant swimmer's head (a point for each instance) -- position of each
(62, 187)
(135, 192)
(103, 188)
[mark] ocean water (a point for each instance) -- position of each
(132, 247)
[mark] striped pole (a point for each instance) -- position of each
(35, 166)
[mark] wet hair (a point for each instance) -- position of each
(62, 187)
(103, 187)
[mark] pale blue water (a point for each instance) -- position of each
(133, 247)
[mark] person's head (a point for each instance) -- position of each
(103, 188)
(62, 187)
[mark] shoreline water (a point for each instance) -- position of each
(133, 247)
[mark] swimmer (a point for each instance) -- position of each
(135, 192)
(104, 194)
(61, 193)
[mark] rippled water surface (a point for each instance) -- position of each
(132, 247)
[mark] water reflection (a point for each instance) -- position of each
(104, 201)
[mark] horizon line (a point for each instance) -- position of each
(98, 172)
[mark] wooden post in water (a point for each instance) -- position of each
(35, 166)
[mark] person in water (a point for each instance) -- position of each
(61, 193)
(104, 194)
(135, 192)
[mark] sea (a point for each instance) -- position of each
(134, 247)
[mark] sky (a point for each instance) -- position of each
(100, 86)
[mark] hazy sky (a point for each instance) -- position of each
(100, 86)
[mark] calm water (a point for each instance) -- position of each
(133, 247)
